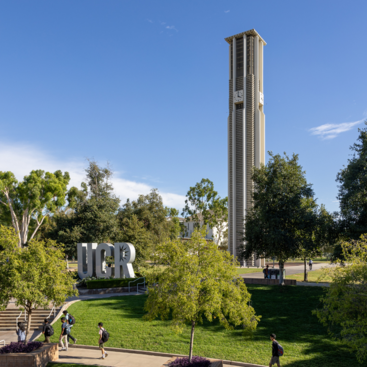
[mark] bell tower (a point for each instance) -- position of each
(246, 129)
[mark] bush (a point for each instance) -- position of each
(20, 347)
(195, 362)
(110, 283)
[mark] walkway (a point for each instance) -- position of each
(92, 357)
(289, 270)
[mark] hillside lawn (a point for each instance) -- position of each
(313, 276)
(285, 311)
(248, 270)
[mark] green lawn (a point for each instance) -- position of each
(248, 270)
(285, 311)
(313, 276)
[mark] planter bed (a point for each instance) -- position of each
(38, 358)
(213, 362)
(269, 281)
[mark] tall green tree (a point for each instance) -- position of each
(352, 196)
(280, 218)
(93, 213)
(204, 206)
(35, 198)
(199, 281)
(35, 276)
(344, 309)
(150, 211)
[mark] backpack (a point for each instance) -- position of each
(49, 330)
(71, 320)
(105, 336)
(280, 350)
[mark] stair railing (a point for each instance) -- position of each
(137, 286)
(135, 280)
(52, 310)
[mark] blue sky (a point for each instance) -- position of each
(144, 85)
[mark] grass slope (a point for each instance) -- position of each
(285, 311)
(313, 276)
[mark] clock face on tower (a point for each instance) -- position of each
(238, 96)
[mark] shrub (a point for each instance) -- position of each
(110, 283)
(195, 362)
(20, 347)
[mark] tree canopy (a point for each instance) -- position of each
(36, 275)
(199, 281)
(35, 198)
(281, 221)
(204, 206)
(345, 302)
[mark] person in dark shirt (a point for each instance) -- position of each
(275, 354)
(46, 331)
(266, 272)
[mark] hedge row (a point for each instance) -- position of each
(111, 283)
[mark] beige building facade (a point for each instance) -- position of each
(246, 129)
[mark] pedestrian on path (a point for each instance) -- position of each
(47, 331)
(310, 264)
(21, 332)
(70, 321)
(63, 335)
(275, 353)
(266, 272)
(101, 340)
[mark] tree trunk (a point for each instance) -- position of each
(305, 270)
(192, 339)
(29, 311)
(281, 267)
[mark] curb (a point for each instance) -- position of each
(158, 354)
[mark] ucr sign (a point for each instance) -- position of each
(92, 260)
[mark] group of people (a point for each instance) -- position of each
(67, 322)
(266, 269)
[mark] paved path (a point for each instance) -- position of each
(289, 270)
(93, 358)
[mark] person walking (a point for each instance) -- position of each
(266, 272)
(67, 317)
(275, 353)
(47, 331)
(310, 264)
(63, 335)
(101, 341)
(21, 332)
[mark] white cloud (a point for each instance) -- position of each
(227, 11)
(331, 131)
(171, 27)
(149, 20)
(21, 159)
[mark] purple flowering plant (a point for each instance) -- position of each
(20, 347)
(185, 362)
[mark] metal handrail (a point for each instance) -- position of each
(3, 341)
(137, 286)
(53, 309)
(131, 281)
(16, 320)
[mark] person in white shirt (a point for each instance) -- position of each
(100, 341)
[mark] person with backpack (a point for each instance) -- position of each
(266, 272)
(103, 337)
(47, 331)
(277, 351)
(310, 264)
(64, 335)
(71, 320)
(21, 332)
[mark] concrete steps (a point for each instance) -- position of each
(8, 318)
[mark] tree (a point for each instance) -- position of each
(35, 275)
(151, 212)
(280, 216)
(345, 302)
(92, 215)
(199, 281)
(204, 206)
(133, 231)
(38, 196)
(352, 196)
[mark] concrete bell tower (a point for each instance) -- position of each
(246, 129)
